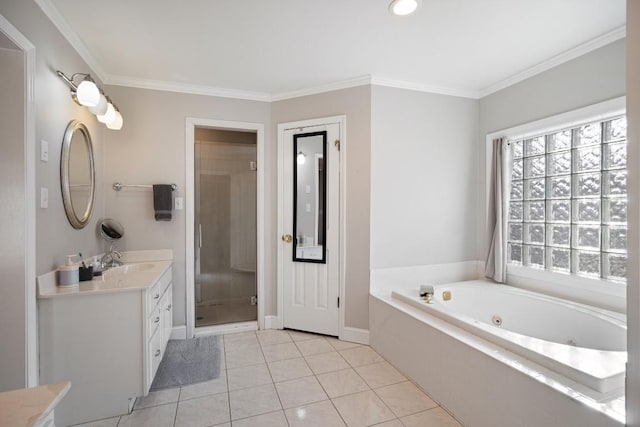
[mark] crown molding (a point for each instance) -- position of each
(61, 24)
(329, 87)
(591, 45)
(186, 88)
(420, 87)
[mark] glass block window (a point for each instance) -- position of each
(568, 201)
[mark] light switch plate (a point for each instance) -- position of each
(44, 151)
(44, 197)
(179, 203)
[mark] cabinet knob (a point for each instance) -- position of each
(156, 296)
(157, 353)
(157, 319)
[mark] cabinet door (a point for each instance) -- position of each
(155, 355)
(167, 315)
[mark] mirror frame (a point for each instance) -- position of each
(322, 260)
(77, 222)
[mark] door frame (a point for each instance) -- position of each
(282, 127)
(191, 123)
(31, 327)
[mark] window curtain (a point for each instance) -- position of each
(500, 182)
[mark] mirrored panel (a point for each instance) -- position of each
(309, 197)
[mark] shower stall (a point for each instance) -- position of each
(225, 227)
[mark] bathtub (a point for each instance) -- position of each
(584, 344)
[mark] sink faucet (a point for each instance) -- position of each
(111, 259)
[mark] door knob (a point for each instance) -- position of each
(287, 238)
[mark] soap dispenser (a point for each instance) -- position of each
(68, 274)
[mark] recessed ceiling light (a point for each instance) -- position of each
(403, 7)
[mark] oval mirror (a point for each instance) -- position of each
(111, 230)
(77, 174)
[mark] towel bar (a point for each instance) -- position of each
(117, 186)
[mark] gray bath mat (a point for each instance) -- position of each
(188, 362)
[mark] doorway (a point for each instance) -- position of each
(225, 218)
(224, 226)
(310, 212)
(18, 330)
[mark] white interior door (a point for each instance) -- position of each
(310, 252)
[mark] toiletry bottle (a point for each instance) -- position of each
(97, 267)
(68, 274)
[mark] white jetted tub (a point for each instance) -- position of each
(582, 343)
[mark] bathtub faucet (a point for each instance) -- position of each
(426, 293)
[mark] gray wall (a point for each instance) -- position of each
(12, 219)
(595, 77)
(633, 288)
(150, 149)
(355, 103)
(55, 238)
(424, 165)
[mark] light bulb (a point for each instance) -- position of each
(403, 7)
(116, 123)
(101, 107)
(88, 93)
(301, 158)
(109, 115)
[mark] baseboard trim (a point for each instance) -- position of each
(178, 333)
(360, 336)
(272, 322)
(227, 328)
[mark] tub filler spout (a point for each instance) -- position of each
(426, 293)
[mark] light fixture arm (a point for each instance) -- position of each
(67, 80)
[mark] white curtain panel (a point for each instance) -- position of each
(499, 191)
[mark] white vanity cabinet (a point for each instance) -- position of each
(159, 321)
(107, 337)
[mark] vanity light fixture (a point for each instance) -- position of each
(88, 94)
(403, 7)
(301, 158)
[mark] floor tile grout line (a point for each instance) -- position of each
(226, 374)
(272, 382)
(175, 416)
(258, 415)
(338, 412)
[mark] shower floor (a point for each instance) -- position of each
(217, 314)
(225, 297)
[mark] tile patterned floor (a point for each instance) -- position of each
(286, 378)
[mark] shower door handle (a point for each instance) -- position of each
(199, 235)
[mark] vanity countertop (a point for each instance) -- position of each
(30, 406)
(132, 276)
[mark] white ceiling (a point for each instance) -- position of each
(270, 49)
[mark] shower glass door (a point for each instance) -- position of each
(225, 227)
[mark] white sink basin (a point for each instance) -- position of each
(129, 268)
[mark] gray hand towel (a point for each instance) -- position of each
(162, 201)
